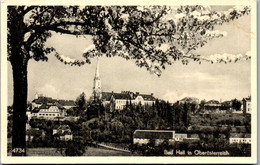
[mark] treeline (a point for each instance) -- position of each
(118, 126)
(240, 122)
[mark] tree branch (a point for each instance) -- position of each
(35, 27)
(27, 10)
(64, 31)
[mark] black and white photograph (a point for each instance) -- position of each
(165, 83)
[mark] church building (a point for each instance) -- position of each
(118, 101)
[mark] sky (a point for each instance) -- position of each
(204, 81)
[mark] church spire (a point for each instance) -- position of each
(97, 84)
(36, 96)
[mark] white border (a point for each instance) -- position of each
(122, 159)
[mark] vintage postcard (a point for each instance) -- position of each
(128, 81)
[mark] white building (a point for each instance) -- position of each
(144, 136)
(48, 111)
(63, 132)
(240, 138)
(180, 137)
(119, 101)
(247, 105)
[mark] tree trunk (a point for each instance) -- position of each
(19, 67)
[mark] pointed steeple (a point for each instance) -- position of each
(36, 96)
(97, 84)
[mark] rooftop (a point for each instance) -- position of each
(247, 99)
(106, 96)
(123, 96)
(126, 95)
(147, 97)
(49, 100)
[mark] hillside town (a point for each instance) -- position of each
(138, 124)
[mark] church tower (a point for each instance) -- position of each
(97, 84)
(36, 96)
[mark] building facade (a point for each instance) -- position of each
(48, 111)
(247, 105)
(141, 137)
(49, 108)
(63, 133)
(119, 101)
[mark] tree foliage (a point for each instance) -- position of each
(153, 36)
(81, 101)
(236, 104)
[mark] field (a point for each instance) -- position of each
(91, 151)
(42, 152)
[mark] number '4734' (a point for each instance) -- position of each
(18, 150)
